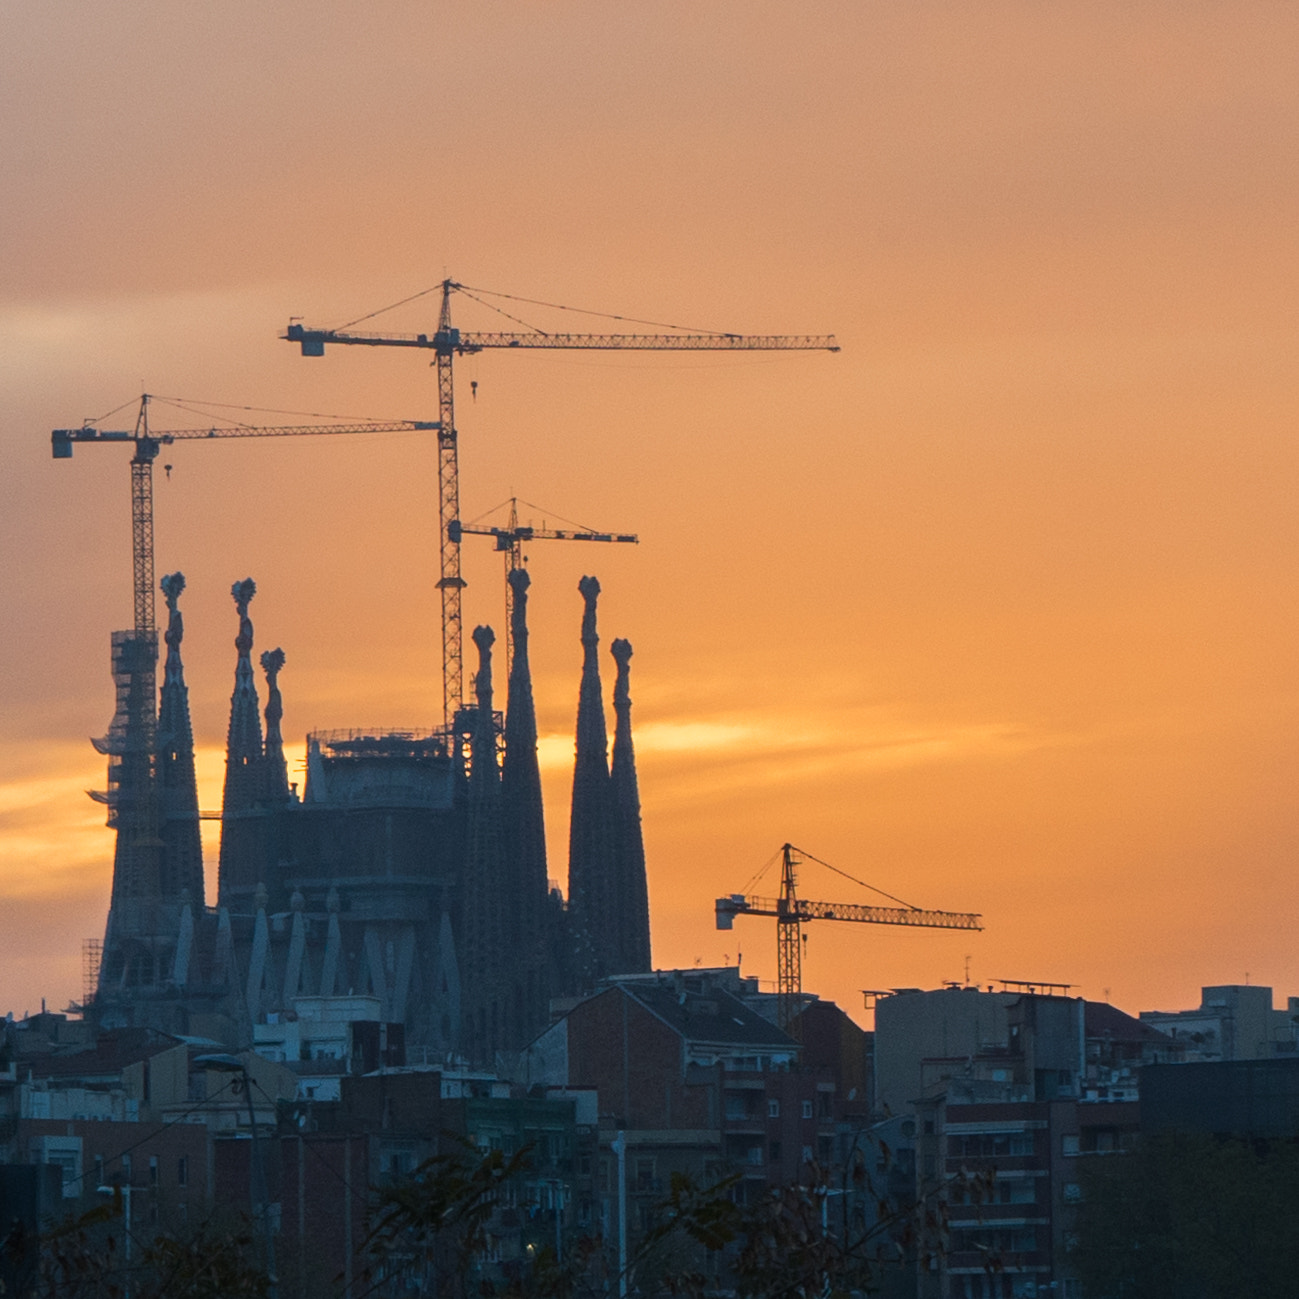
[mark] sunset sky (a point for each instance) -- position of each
(994, 609)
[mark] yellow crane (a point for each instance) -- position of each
(791, 912)
(136, 653)
(448, 342)
(148, 442)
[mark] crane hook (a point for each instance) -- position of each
(473, 389)
(168, 469)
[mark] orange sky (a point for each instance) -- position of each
(994, 608)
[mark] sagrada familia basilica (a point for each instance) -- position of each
(411, 867)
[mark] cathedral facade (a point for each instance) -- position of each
(410, 868)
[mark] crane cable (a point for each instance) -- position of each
(761, 871)
(910, 906)
(546, 520)
(533, 302)
(606, 315)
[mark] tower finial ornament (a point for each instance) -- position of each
(243, 593)
(172, 585)
(590, 591)
(277, 771)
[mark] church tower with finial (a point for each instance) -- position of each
(485, 930)
(523, 822)
(242, 865)
(181, 871)
(590, 878)
(631, 912)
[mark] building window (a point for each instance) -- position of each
(645, 1174)
(1017, 1190)
(773, 1109)
(1069, 1143)
(68, 1164)
(1072, 1193)
(990, 1145)
(182, 1171)
(153, 1170)
(775, 1152)
(807, 1109)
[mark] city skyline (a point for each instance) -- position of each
(992, 609)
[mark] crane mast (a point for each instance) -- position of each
(450, 583)
(148, 443)
(449, 341)
(791, 912)
(131, 743)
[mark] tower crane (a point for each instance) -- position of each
(148, 442)
(136, 653)
(509, 541)
(791, 911)
(447, 342)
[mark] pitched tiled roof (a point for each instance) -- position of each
(707, 1015)
(1100, 1019)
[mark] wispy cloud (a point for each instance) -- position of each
(862, 740)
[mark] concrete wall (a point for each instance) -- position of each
(951, 1023)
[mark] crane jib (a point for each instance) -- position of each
(62, 439)
(912, 917)
(447, 342)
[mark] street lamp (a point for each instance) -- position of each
(619, 1148)
(224, 1063)
(125, 1189)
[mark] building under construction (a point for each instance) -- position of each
(411, 867)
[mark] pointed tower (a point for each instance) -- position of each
(525, 831)
(632, 916)
(182, 853)
(590, 879)
(485, 947)
(242, 864)
(276, 770)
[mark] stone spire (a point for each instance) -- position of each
(484, 936)
(241, 862)
(525, 829)
(182, 854)
(276, 769)
(590, 892)
(629, 846)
